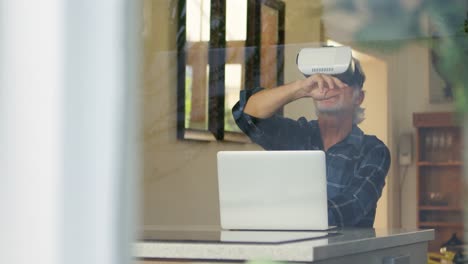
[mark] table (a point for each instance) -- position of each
(347, 245)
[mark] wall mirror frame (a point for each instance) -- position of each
(208, 56)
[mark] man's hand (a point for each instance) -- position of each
(319, 86)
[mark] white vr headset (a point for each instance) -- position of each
(336, 61)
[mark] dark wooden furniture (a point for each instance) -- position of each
(439, 175)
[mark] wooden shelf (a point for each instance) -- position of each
(434, 119)
(439, 208)
(435, 173)
(438, 164)
(440, 224)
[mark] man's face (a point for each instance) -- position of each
(339, 100)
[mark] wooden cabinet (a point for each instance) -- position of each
(439, 175)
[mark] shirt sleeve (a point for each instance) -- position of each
(273, 133)
(357, 200)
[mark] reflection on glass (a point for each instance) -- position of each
(198, 20)
(199, 39)
(236, 20)
(196, 76)
(269, 42)
(196, 94)
(188, 94)
(236, 34)
(233, 82)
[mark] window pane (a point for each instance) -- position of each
(233, 83)
(198, 20)
(236, 19)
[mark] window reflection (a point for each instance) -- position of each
(196, 75)
(198, 20)
(269, 43)
(196, 94)
(234, 80)
(236, 20)
(236, 35)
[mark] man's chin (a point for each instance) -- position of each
(328, 109)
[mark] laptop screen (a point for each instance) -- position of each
(272, 190)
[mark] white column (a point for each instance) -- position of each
(68, 131)
(30, 130)
(99, 125)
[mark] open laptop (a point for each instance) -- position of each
(272, 190)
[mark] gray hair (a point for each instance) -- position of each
(359, 113)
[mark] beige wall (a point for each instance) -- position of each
(377, 121)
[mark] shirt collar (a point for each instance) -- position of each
(355, 137)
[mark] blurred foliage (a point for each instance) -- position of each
(389, 25)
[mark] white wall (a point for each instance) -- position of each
(67, 131)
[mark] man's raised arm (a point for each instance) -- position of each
(266, 102)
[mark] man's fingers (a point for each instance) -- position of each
(320, 85)
(338, 82)
(329, 80)
(333, 82)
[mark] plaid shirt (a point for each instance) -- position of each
(356, 166)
